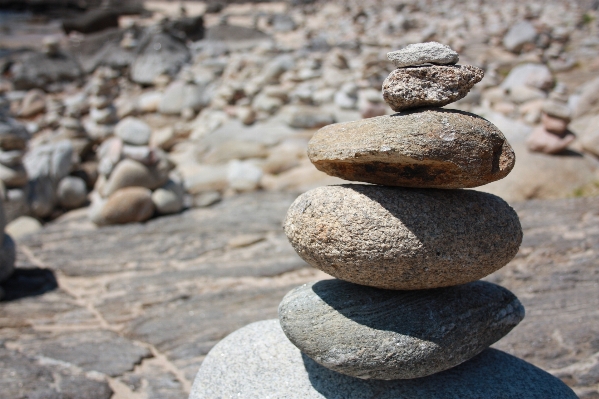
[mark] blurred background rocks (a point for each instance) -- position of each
(201, 101)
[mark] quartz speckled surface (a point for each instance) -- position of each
(403, 238)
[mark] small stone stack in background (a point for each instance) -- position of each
(553, 136)
(407, 251)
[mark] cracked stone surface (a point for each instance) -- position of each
(423, 53)
(177, 285)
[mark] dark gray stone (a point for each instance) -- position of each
(371, 333)
(7, 257)
(403, 238)
(103, 351)
(259, 362)
(38, 70)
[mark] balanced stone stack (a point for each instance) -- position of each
(406, 316)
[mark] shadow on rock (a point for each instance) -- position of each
(29, 282)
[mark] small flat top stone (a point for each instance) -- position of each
(423, 53)
(258, 361)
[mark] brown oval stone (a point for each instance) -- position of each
(128, 205)
(429, 86)
(403, 238)
(433, 148)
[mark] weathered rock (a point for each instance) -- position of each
(429, 148)
(71, 192)
(423, 53)
(243, 175)
(519, 34)
(400, 238)
(300, 117)
(534, 75)
(379, 334)
(554, 125)
(128, 205)
(7, 257)
(52, 160)
(133, 131)
(13, 135)
(130, 173)
(11, 158)
(236, 366)
(588, 103)
(38, 70)
(159, 54)
(432, 85)
(557, 109)
(168, 198)
(181, 95)
(590, 137)
(33, 103)
(27, 377)
(22, 226)
(41, 196)
(542, 140)
(13, 176)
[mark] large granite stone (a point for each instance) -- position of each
(433, 148)
(401, 238)
(258, 361)
(430, 85)
(379, 334)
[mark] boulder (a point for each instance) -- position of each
(403, 238)
(38, 70)
(379, 334)
(258, 361)
(429, 148)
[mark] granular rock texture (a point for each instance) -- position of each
(430, 85)
(258, 362)
(403, 238)
(371, 333)
(433, 148)
(423, 53)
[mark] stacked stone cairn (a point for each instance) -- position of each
(406, 316)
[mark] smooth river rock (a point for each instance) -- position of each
(372, 333)
(128, 205)
(258, 361)
(403, 238)
(423, 53)
(430, 85)
(433, 148)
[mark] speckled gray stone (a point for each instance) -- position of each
(423, 53)
(403, 238)
(432, 148)
(429, 86)
(380, 334)
(259, 362)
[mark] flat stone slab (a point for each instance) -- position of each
(423, 53)
(429, 86)
(432, 148)
(403, 238)
(258, 361)
(379, 334)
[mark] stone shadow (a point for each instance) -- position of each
(491, 375)
(28, 282)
